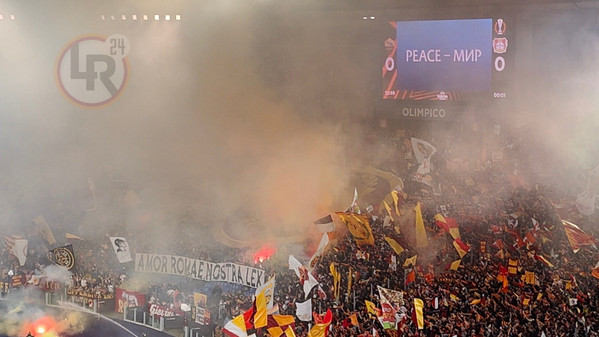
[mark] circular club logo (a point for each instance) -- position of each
(63, 257)
(92, 70)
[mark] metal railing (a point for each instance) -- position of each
(133, 315)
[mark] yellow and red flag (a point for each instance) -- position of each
(577, 237)
(461, 247)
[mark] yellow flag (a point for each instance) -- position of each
(359, 227)
(455, 264)
(395, 196)
(354, 319)
(371, 308)
(349, 279)
(388, 208)
(289, 332)
(336, 280)
(569, 285)
(72, 236)
(44, 230)
(411, 260)
(418, 305)
(460, 247)
(318, 330)
(396, 246)
(260, 317)
(421, 239)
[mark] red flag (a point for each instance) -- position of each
(281, 325)
(411, 276)
(576, 236)
(325, 318)
(450, 225)
(530, 237)
(461, 247)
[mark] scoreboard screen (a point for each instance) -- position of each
(447, 60)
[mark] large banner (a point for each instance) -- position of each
(121, 249)
(128, 298)
(199, 270)
(162, 311)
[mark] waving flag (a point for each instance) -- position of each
(303, 310)
(461, 247)
(423, 152)
(305, 277)
(63, 256)
(410, 261)
(455, 265)
(577, 237)
(448, 224)
(246, 324)
(324, 241)
(17, 246)
(373, 311)
(268, 291)
(359, 227)
(390, 300)
(281, 325)
(354, 208)
(397, 248)
(325, 224)
(418, 308)
(421, 239)
(321, 326)
(336, 280)
(44, 230)
(240, 326)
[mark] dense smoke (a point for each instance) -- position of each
(22, 314)
(250, 117)
(201, 138)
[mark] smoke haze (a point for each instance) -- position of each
(245, 116)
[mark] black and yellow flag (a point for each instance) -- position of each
(62, 256)
(359, 227)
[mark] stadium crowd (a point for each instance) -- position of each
(518, 272)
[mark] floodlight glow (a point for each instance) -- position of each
(178, 17)
(167, 17)
(157, 17)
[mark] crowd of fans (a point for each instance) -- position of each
(496, 203)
